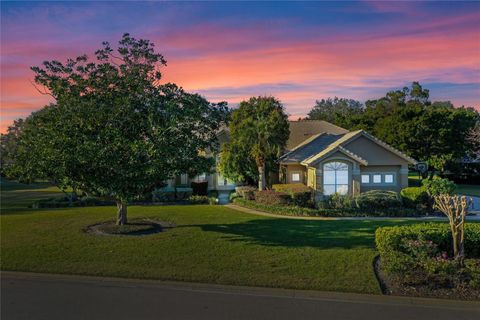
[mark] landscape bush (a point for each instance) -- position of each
(272, 197)
(246, 192)
(300, 194)
(437, 186)
(337, 201)
(183, 193)
(292, 210)
(195, 199)
(415, 197)
(165, 194)
(378, 200)
(418, 253)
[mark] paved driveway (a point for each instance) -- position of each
(30, 296)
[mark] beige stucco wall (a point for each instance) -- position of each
(291, 168)
(374, 153)
(401, 177)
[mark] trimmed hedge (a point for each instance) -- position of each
(272, 197)
(415, 197)
(300, 194)
(290, 210)
(378, 200)
(399, 262)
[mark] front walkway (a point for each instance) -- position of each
(273, 215)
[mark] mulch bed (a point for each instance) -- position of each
(134, 227)
(431, 290)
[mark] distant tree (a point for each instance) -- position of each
(338, 111)
(432, 132)
(113, 130)
(9, 145)
(259, 130)
(473, 137)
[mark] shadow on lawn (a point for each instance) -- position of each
(326, 234)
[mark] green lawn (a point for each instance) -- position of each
(467, 189)
(211, 244)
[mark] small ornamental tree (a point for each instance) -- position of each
(114, 131)
(259, 130)
(455, 208)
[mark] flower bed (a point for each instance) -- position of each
(416, 260)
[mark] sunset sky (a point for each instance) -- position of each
(296, 51)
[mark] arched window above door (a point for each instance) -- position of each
(335, 178)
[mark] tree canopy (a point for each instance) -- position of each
(259, 130)
(114, 131)
(337, 110)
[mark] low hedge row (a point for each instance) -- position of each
(300, 194)
(391, 239)
(291, 210)
(422, 254)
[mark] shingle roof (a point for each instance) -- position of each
(304, 129)
(310, 147)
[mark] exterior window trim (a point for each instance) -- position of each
(299, 176)
(382, 179)
(335, 184)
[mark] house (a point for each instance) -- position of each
(330, 159)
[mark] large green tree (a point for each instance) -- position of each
(338, 111)
(259, 130)
(114, 131)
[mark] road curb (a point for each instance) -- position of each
(244, 290)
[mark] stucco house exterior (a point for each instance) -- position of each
(329, 159)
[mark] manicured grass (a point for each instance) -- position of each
(14, 195)
(469, 189)
(466, 189)
(211, 244)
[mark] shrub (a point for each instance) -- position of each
(272, 197)
(438, 186)
(401, 259)
(246, 192)
(291, 210)
(212, 200)
(415, 197)
(165, 194)
(195, 199)
(183, 193)
(300, 194)
(378, 200)
(337, 201)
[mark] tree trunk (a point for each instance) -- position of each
(261, 178)
(121, 212)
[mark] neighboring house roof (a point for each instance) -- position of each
(304, 129)
(319, 147)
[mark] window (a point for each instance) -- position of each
(378, 178)
(295, 177)
(335, 178)
(389, 178)
(365, 178)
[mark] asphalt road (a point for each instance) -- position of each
(33, 296)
